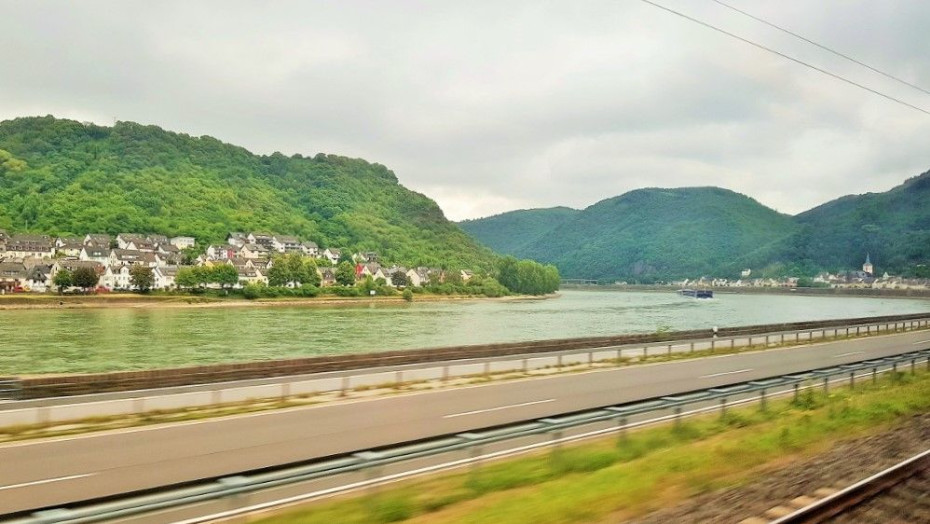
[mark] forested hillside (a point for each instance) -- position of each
(894, 227)
(510, 233)
(660, 234)
(64, 177)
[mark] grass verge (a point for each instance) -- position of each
(626, 477)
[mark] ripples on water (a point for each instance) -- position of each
(49, 341)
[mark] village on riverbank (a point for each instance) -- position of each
(142, 262)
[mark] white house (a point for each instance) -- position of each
(237, 239)
(310, 249)
(332, 254)
(94, 253)
(182, 242)
(116, 277)
(164, 276)
(97, 240)
(285, 243)
(253, 251)
(221, 252)
(251, 276)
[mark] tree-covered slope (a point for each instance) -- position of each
(894, 227)
(659, 234)
(64, 177)
(509, 233)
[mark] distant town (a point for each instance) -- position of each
(30, 263)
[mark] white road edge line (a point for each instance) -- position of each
(920, 342)
(725, 373)
(851, 353)
(475, 412)
(46, 481)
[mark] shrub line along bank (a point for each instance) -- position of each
(66, 385)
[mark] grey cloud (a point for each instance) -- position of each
(488, 106)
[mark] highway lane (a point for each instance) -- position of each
(45, 473)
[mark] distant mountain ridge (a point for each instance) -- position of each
(661, 234)
(63, 177)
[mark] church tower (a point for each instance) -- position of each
(867, 267)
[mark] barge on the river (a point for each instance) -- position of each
(696, 293)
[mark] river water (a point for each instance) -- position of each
(91, 340)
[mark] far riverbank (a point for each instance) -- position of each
(22, 301)
(801, 291)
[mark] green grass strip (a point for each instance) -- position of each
(625, 477)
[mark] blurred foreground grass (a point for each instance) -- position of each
(624, 477)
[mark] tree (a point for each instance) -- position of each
(345, 274)
(141, 277)
(225, 275)
(186, 278)
(62, 280)
(399, 278)
(84, 277)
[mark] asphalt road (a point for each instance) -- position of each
(55, 472)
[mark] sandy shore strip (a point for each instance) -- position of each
(179, 301)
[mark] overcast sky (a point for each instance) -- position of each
(492, 106)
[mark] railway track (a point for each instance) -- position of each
(899, 494)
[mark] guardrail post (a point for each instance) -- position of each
(797, 387)
(692, 347)
(645, 352)
(621, 429)
(723, 407)
(345, 386)
(857, 330)
(590, 359)
(894, 368)
(766, 341)
(762, 405)
(852, 380)
(826, 384)
(445, 373)
(677, 416)
(669, 351)
(782, 338)
(797, 337)
(525, 365)
(713, 343)
(748, 343)
(874, 375)
(733, 343)
(559, 361)
(913, 366)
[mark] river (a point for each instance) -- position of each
(92, 340)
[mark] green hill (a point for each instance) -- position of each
(510, 233)
(64, 177)
(661, 234)
(654, 234)
(894, 227)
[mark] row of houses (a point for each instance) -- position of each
(30, 262)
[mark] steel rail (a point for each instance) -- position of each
(851, 496)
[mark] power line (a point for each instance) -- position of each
(825, 48)
(795, 60)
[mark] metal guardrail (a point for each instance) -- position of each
(376, 458)
(68, 385)
(10, 388)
